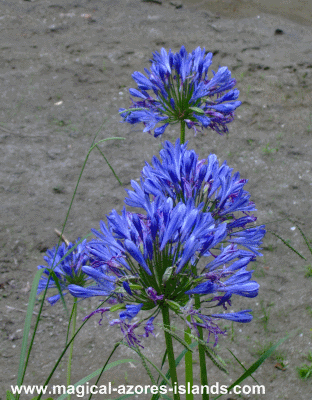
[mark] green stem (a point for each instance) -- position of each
(202, 355)
(182, 136)
(70, 356)
(188, 363)
(171, 360)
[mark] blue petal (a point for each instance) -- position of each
(137, 255)
(203, 288)
(240, 316)
(159, 131)
(131, 311)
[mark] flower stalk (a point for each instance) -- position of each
(169, 346)
(202, 355)
(70, 356)
(182, 135)
(188, 363)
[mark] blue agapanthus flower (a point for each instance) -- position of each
(66, 265)
(178, 89)
(181, 176)
(154, 258)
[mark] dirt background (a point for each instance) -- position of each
(65, 70)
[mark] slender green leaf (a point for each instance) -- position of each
(212, 354)
(177, 362)
(287, 244)
(148, 371)
(197, 110)
(9, 395)
(243, 366)
(96, 373)
(162, 363)
(255, 365)
(104, 366)
(133, 109)
(303, 235)
(111, 168)
(214, 357)
(178, 338)
(141, 355)
(29, 314)
(57, 283)
(117, 307)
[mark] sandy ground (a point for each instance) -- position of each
(65, 70)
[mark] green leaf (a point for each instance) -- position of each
(133, 109)
(135, 287)
(197, 110)
(216, 359)
(178, 338)
(29, 314)
(242, 366)
(287, 244)
(9, 395)
(173, 305)
(212, 354)
(177, 362)
(148, 371)
(303, 235)
(147, 359)
(167, 274)
(96, 373)
(255, 365)
(117, 307)
(111, 168)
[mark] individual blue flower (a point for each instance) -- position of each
(105, 284)
(197, 319)
(65, 263)
(239, 316)
(177, 88)
(131, 311)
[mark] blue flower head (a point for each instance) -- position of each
(193, 239)
(178, 88)
(181, 175)
(66, 264)
(156, 260)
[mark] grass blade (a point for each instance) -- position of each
(111, 168)
(255, 365)
(104, 366)
(96, 373)
(287, 244)
(143, 358)
(9, 395)
(29, 314)
(177, 338)
(243, 366)
(212, 354)
(177, 362)
(163, 362)
(303, 235)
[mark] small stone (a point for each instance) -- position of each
(278, 32)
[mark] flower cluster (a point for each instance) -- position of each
(182, 176)
(178, 89)
(193, 238)
(65, 265)
(189, 241)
